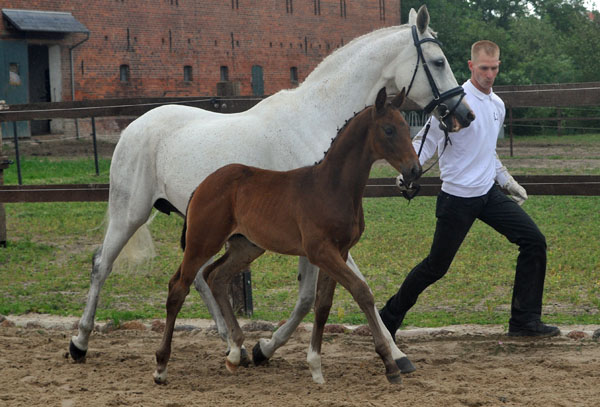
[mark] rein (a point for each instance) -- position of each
(410, 191)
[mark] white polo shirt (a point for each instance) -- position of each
(468, 166)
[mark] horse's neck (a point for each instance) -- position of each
(348, 162)
(347, 80)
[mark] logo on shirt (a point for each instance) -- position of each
(496, 116)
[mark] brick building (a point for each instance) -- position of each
(155, 48)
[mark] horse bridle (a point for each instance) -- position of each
(438, 101)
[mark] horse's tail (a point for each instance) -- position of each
(139, 249)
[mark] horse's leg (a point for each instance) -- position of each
(240, 253)
(120, 229)
(403, 362)
(206, 295)
(307, 277)
(179, 287)
(329, 260)
(323, 300)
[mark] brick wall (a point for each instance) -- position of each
(157, 38)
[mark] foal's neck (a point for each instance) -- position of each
(347, 164)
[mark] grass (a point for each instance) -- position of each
(46, 266)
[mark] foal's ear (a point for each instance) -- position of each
(399, 99)
(380, 100)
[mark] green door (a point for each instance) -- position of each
(14, 81)
(258, 86)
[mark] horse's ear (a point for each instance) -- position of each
(399, 99)
(423, 19)
(380, 100)
(412, 17)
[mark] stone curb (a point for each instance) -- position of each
(44, 321)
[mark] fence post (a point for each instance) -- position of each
(2, 211)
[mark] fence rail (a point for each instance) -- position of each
(585, 185)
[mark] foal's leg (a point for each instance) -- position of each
(404, 364)
(329, 260)
(179, 287)
(323, 300)
(307, 279)
(240, 253)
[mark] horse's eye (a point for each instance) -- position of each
(439, 63)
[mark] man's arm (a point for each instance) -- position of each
(506, 181)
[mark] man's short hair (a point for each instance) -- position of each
(489, 48)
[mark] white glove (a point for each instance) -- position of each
(518, 193)
(506, 181)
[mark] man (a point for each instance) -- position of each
(469, 168)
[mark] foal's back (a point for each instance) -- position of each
(270, 208)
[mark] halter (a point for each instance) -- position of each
(410, 191)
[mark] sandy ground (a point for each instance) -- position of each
(457, 366)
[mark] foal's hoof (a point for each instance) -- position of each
(405, 365)
(394, 378)
(160, 378)
(230, 366)
(77, 354)
(244, 359)
(258, 357)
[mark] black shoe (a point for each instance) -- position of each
(391, 322)
(533, 328)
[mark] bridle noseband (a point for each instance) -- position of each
(438, 101)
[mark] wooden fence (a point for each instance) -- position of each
(586, 94)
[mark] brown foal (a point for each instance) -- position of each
(312, 211)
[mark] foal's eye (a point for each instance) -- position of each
(389, 131)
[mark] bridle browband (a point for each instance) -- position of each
(438, 101)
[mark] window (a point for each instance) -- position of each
(289, 7)
(224, 74)
(317, 4)
(382, 10)
(235, 4)
(343, 8)
(294, 75)
(14, 76)
(124, 73)
(187, 73)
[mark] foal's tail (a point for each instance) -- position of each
(183, 232)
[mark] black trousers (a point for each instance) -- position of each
(455, 216)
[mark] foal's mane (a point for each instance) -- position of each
(339, 131)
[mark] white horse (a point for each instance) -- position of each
(163, 155)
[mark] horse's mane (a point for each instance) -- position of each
(324, 64)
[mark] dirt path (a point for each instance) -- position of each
(457, 366)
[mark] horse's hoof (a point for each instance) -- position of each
(405, 365)
(230, 366)
(77, 354)
(257, 356)
(394, 378)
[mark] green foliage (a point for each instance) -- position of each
(541, 41)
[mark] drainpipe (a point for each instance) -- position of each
(73, 76)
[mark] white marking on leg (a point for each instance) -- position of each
(160, 377)
(314, 364)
